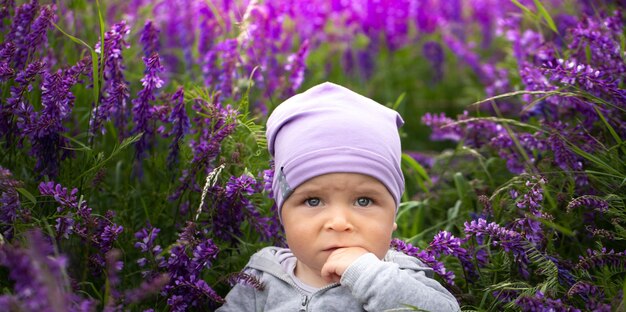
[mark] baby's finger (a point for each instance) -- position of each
(329, 273)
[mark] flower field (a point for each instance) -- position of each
(134, 172)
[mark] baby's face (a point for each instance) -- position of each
(338, 210)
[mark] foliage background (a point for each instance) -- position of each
(134, 172)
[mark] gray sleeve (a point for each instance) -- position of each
(383, 285)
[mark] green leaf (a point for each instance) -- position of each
(597, 161)
(244, 103)
(405, 207)
(421, 176)
(399, 101)
(217, 13)
(453, 213)
(523, 92)
(94, 62)
(552, 225)
(523, 7)
(27, 194)
(83, 147)
(463, 188)
(622, 40)
(623, 292)
(76, 40)
(546, 16)
(496, 119)
(100, 161)
(614, 134)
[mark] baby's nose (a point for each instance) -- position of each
(339, 220)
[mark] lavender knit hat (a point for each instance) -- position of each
(330, 129)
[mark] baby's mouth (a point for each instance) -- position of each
(331, 249)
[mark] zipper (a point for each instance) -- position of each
(305, 300)
(304, 304)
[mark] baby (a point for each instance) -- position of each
(337, 186)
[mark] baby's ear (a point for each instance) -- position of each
(395, 226)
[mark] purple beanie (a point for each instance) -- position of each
(331, 129)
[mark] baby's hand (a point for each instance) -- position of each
(338, 262)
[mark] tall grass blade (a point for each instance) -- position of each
(421, 175)
(27, 194)
(546, 16)
(523, 8)
(94, 62)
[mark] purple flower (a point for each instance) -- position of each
(261, 42)
(589, 201)
(209, 28)
(64, 226)
(433, 52)
(143, 110)
(268, 178)
(508, 150)
(6, 72)
(6, 7)
(146, 237)
(108, 235)
(211, 126)
(7, 52)
(150, 39)
(10, 204)
(39, 281)
(245, 279)
(573, 73)
(426, 257)
(82, 67)
(487, 206)
(237, 187)
(445, 243)
(24, 16)
(185, 289)
(233, 207)
(591, 294)
(203, 254)
(37, 35)
(180, 28)
(602, 35)
(222, 77)
(426, 21)
(533, 198)
(296, 65)
(600, 258)
(509, 241)
(115, 89)
(15, 113)
(563, 156)
(539, 303)
(180, 125)
(472, 59)
(586, 290)
(44, 129)
(67, 200)
(77, 219)
(442, 127)
(113, 267)
(147, 288)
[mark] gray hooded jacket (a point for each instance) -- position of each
(368, 284)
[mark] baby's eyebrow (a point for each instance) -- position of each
(306, 192)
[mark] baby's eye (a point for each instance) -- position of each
(363, 201)
(312, 202)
